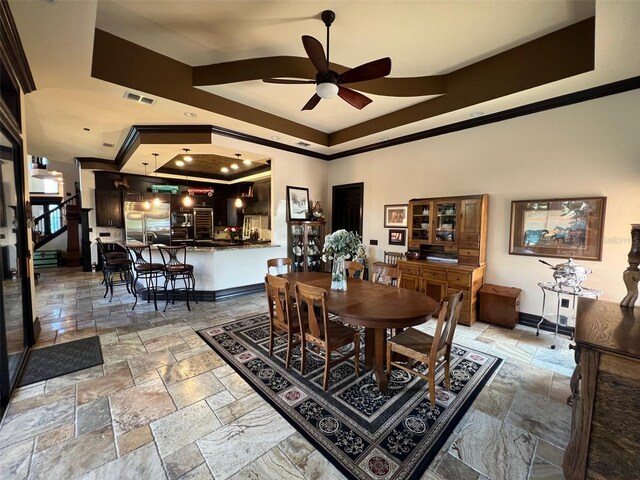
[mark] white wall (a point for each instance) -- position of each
(587, 149)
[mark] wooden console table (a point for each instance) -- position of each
(605, 393)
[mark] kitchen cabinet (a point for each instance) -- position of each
(439, 279)
(605, 396)
(108, 208)
(455, 226)
(306, 240)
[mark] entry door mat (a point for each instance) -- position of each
(366, 434)
(58, 360)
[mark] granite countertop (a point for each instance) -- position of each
(216, 245)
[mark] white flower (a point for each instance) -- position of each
(342, 244)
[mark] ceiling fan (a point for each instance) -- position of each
(329, 83)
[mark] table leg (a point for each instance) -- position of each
(369, 342)
(380, 349)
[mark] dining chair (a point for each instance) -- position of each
(431, 350)
(321, 332)
(385, 274)
(281, 313)
(281, 265)
(392, 257)
(354, 269)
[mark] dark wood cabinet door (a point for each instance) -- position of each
(108, 208)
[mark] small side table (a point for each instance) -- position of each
(561, 293)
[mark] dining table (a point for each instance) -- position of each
(374, 306)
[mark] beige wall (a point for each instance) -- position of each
(589, 149)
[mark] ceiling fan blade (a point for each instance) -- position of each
(285, 80)
(368, 71)
(315, 52)
(313, 101)
(353, 98)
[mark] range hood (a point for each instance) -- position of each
(257, 208)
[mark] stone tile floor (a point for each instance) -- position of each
(164, 405)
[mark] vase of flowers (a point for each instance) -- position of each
(340, 246)
(234, 233)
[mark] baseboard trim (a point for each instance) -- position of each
(202, 295)
(529, 320)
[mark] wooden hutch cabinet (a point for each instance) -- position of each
(450, 234)
(306, 239)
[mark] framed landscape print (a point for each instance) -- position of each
(562, 228)
(397, 237)
(298, 203)
(396, 216)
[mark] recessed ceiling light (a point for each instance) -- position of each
(476, 114)
(224, 169)
(247, 162)
(234, 166)
(180, 163)
(384, 138)
(190, 114)
(186, 157)
(275, 137)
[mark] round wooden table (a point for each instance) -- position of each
(375, 307)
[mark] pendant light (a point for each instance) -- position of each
(146, 204)
(238, 202)
(156, 200)
(187, 201)
(186, 157)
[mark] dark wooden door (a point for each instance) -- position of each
(346, 209)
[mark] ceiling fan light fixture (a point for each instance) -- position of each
(327, 90)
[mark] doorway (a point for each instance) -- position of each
(347, 205)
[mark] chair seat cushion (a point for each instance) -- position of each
(179, 268)
(413, 339)
(148, 267)
(116, 255)
(118, 262)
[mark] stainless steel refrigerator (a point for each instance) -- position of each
(148, 223)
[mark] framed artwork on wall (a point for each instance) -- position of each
(397, 237)
(298, 203)
(396, 216)
(562, 228)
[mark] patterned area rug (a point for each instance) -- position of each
(366, 434)
(57, 360)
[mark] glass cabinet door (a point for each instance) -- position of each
(445, 221)
(314, 248)
(305, 246)
(297, 246)
(421, 222)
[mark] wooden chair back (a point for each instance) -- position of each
(279, 300)
(354, 269)
(384, 274)
(454, 304)
(392, 257)
(307, 298)
(281, 265)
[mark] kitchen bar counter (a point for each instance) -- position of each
(226, 268)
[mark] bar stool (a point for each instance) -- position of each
(111, 266)
(111, 255)
(146, 270)
(176, 269)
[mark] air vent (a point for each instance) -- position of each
(303, 144)
(108, 145)
(139, 98)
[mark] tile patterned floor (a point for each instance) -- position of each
(164, 405)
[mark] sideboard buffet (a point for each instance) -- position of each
(605, 395)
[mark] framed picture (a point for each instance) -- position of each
(396, 216)
(397, 237)
(563, 228)
(298, 203)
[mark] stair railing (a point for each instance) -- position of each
(52, 222)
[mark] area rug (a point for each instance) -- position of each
(366, 434)
(57, 360)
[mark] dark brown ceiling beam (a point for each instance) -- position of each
(560, 54)
(301, 67)
(124, 63)
(11, 48)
